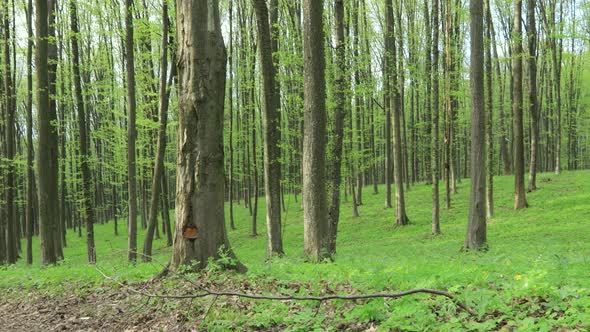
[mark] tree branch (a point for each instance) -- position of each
(206, 292)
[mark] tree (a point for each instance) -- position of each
(489, 113)
(335, 176)
(389, 82)
(47, 161)
(10, 109)
(476, 227)
(29, 213)
(315, 217)
(400, 205)
(533, 101)
(131, 134)
(518, 144)
(230, 177)
(88, 209)
(272, 134)
(435, 112)
(161, 141)
(200, 232)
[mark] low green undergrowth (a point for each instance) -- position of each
(534, 276)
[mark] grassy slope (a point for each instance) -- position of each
(542, 251)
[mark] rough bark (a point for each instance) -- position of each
(335, 176)
(200, 232)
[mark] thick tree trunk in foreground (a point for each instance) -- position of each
(131, 134)
(88, 209)
(476, 228)
(200, 232)
(47, 152)
(519, 191)
(315, 216)
(272, 135)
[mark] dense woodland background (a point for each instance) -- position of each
(381, 137)
(90, 111)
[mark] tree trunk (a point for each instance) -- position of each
(388, 64)
(518, 139)
(556, 56)
(88, 202)
(533, 101)
(435, 122)
(200, 232)
(254, 160)
(131, 133)
(230, 179)
(30, 210)
(489, 102)
(166, 206)
(161, 141)
(503, 139)
(10, 109)
(272, 134)
(428, 100)
(476, 228)
(400, 205)
(47, 161)
(315, 214)
(338, 127)
(356, 133)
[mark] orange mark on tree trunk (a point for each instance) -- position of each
(190, 232)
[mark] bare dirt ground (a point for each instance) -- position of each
(108, 311)
(122, 308)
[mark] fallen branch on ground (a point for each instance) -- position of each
(206, 292)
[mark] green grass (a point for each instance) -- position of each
(535, 275)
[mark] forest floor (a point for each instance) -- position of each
(533, 277)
